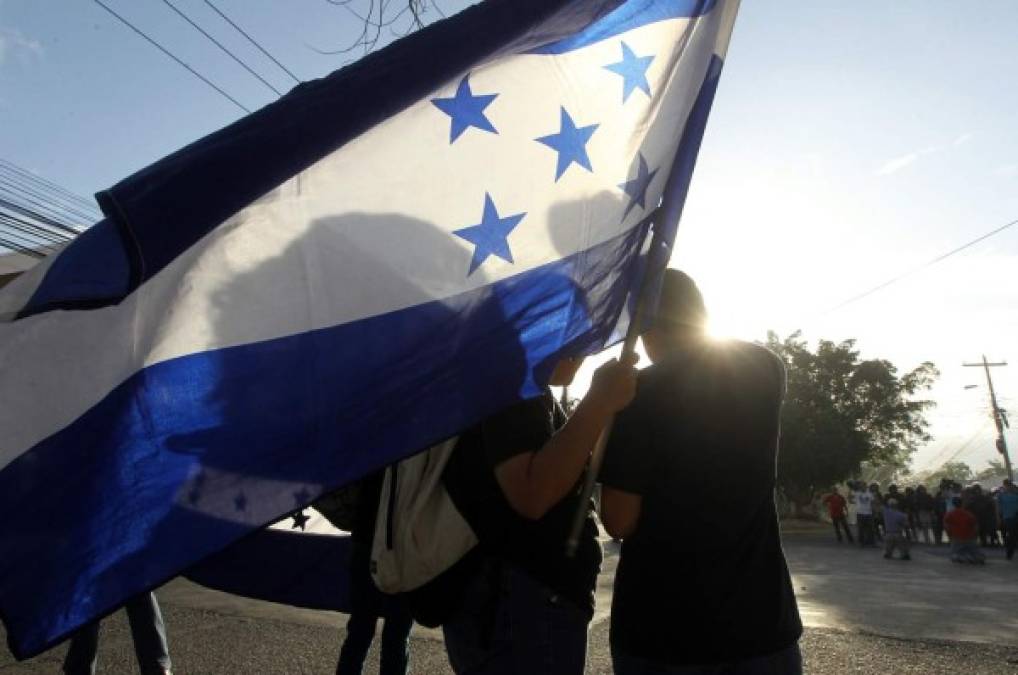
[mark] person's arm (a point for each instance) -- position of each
(620, 511)
(535, 481)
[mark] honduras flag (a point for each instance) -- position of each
(363, 268)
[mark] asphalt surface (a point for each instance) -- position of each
(863, 614)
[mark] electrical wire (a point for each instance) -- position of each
(170, 54)
(36, 215)
(252, 41)
(64, 193)
(222, 47)
(36, 207)
(56, 209)
(925, 265)
(964, 446)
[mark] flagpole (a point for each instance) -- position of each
(597, 456)
(668, 213)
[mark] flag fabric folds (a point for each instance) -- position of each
(363, 268)
(301, 561)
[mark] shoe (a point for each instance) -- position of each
(906, 557)
(887, 556)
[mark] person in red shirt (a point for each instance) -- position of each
(836, 507)
(962, 527)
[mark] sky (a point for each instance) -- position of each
(849, 143)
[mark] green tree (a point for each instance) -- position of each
(994, 471)
(841, 411)
(959, 472)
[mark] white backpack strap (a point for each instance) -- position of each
(419, 533)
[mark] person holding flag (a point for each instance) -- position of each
(688, 485)
(516, 478)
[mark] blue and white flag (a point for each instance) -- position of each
(365, 267)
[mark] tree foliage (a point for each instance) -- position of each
(995, 470)
(959, 472)
(841, 411)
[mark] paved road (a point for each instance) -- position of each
(927, 598)
(848, 598)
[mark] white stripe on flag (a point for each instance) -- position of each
(368, 229)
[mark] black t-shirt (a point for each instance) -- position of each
(703, 579)
(535, 546)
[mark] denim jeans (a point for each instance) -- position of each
(510, 624)
(788, 661)
(147, 630)
(368, 604)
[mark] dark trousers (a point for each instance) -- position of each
(510, 624)
(841, 524)
(368, 604)
(1010, 536)
(865, 525)
(938, 528)
(147, 630)
(786, 662)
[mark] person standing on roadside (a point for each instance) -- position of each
(1007, 514)
(836, 508)
(863, 499)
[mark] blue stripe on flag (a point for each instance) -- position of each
(136, 489)
(293, 568)
(626, 17)
(93, 271)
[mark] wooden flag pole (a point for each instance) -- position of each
(597, 456)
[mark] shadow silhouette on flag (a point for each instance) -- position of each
(227, 441)
(472, 356)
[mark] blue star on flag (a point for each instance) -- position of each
(633, 70)
(570, 143)
(466, 110)
(636, 188)
(490, 237)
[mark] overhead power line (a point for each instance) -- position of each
(10, 183)
(38, 216)
(62, 192)
(252, 41)
(920, 268)
(170, 54)
(222, 47)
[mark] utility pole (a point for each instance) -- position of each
(999, 416)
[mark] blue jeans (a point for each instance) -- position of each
(510, 624)
(147, 630)
(786, 662)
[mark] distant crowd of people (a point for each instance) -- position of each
(970, 517)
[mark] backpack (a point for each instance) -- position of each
(423, 549)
